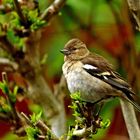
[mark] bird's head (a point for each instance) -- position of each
(75, 49)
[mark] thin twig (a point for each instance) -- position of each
(6, 45)
(13, 110)
(137, 21)
(45, 129)
(134, 6)
(26, 118)
(41, 125)
(4, 117)
(52, 10)
(130, 120)
(6, 61)
(19, 12)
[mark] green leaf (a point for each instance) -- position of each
(31, 133)
(32, 15)
(15, 90)
(12, 97)
(6, 108)
(15, 40)
(38, 24)
(75, 109)
(11, 20)
(76, 96)
(44, 59)
(76, 114)
(33, 118)
(14, 20)
(105, 124)
(36, 117)
(4, 87)
(34, 20)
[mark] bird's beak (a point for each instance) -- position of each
(65, 51)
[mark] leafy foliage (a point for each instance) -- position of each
(4, 87)
(15, 40)
(37, 24)
(87, 121)
(8, 2)
(32, 133)
(35, 117)
(10, 97)
(12, 25)
(4, 107)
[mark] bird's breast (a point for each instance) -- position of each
(78, 80)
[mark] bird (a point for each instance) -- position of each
(93, 76)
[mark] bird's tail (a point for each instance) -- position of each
(133, 102)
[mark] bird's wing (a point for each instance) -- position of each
(104, 71)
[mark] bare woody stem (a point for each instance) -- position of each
(4, 117)
(52, 10)
(41, 125)
(134, 6)
(19, 12)
(8, 63)
(130, 120)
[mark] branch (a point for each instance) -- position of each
(11, 104)
(52, 10)
(134, 6)
(4, 117)
(5, 61)
(130, 120)
(41, 125)
(6, 45)
(60, 91)
(19, 12)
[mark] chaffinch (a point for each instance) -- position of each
(92, 75)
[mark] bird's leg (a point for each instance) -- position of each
(99, 110)
(100, 103)
(94, 113)
(93, 120)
